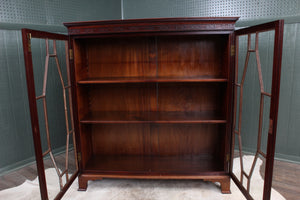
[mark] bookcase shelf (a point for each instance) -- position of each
(152, 117)
(102, 80)
(153, 165)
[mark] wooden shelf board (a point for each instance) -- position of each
(152, 117)
(154, 165)
(150, 79)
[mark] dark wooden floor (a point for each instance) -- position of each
(29, 172)
(286, 178)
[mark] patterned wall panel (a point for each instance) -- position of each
(246, 9)
(55, 12)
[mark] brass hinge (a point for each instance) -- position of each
(71, 56)
(227, 157)
(79, 156)
(232, 50)
(29, 42)
(271, 127)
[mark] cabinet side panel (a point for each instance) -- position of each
(86, 144)
(80, 60)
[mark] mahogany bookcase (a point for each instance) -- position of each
(155, 98)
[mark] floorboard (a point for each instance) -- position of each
(286, 179)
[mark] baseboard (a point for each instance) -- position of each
(278, 156)
(287, 158)
(16, 166)
(29, 161)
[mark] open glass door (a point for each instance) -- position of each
(50, 99)
(256, 87)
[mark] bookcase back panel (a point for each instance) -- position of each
(184, 56)
(123, 97)
(192, 56)
(196, 97)
(127, 57)
(187, 139)
(157, 139)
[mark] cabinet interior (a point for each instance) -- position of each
(153, 104)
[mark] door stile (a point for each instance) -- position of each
(277, 58)
(26, 36)
(74, 102)
(230, 98)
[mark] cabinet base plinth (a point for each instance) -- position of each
(224, 183)
(224, 180)
(83, 181)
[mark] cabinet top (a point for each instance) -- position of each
(155, 25)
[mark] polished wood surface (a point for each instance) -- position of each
(192, 97)
(153, 57)
(154, 97)
(158, 139)
(121, 57)
(192, 56)
(211, 25)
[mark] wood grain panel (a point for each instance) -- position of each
(121, 139)
(153, 165)
(82, 101)
(157, 140)
(85, 142)
(80, 60)
(184, 97)
(192, 56)
(124, 57)
(123, 97)
(159, 117)
(191, 97)
(188, 139)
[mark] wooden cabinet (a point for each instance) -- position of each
(154, 98)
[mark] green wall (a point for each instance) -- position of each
(16, 146)
(16, 143)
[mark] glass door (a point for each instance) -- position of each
(47, 57)
(256, 87)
